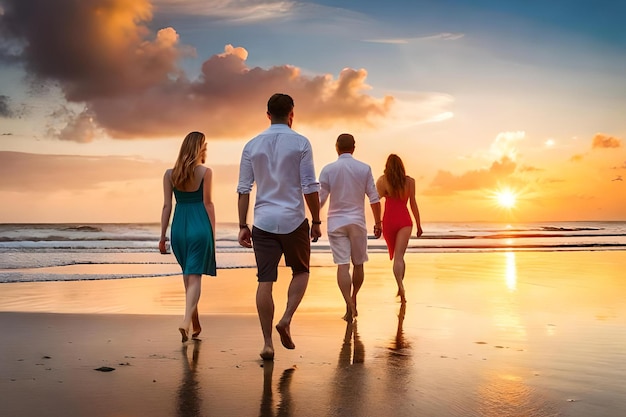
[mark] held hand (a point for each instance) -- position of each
(162, 247)
(316, 232)
(245, 237)
(378, 231)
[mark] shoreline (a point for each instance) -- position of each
(521, 333)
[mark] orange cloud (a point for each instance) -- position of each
(40, 173)
(103, 55)
(604, 141)
(445, 181)
(29, 172)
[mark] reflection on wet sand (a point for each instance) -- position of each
(399, 362)
(507, 393)
(348, 384)
(285, 404)
(400, 342)
(189, 402)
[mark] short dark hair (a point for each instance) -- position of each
(280, 105)
(345, 142)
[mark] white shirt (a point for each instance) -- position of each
(280, 161)
(347, 181)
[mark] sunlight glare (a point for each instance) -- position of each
(506, 198)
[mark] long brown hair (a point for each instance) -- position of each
(190, 156)
(395, 175)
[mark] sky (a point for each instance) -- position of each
(502, 111)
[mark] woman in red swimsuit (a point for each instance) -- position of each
(398, 188)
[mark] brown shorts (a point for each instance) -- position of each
(269, 248)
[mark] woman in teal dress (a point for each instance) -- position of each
(193, 225)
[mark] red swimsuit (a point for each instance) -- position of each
(395, 217)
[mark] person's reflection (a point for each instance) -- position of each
(285, 406)
(400, 342)
(189, 402)
(348, 382)
(399, 364)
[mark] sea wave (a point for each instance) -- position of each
(28, 251)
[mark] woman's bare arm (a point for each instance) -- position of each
(207, 197)
(167, 209)
(414, 208)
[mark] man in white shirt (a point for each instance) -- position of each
(348, 181)
(280, 162)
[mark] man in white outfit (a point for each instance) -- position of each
(347, 181)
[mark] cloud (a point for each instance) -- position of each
(415, 108)
(445, 182)
(29, 172)
(528, 168)
(505, 145)
(604, 142)
(103, 55)
(243, 11)
(444, 36)
(5, 109)
(76, 127)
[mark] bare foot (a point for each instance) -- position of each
(196, 332)
(183, 333)
(267, 354)
(350, 313)
(285, 336)
(347, 317)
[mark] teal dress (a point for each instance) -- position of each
(192, 238)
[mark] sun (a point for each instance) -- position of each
(505, 198)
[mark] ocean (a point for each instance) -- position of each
(51, 252)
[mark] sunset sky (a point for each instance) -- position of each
(501, 110)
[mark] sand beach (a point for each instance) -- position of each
(482, 334)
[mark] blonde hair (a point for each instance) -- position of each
(189, 157)
(395, 175)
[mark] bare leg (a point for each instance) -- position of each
(297, 288)
(344, 280)
(193, 286)
(402, 241)
(265, 309)
(195, 320)
(358, 276)
(195, 324)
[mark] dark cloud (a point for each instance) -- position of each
(102, 54)
(79, 127)
(445, 181)
(604, 141)
(5, 108)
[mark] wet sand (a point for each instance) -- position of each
(482, 334)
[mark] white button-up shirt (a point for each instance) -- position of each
(280, 161)
(347, 181)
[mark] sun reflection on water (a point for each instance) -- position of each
(511, 271)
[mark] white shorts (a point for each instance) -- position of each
(348, 242)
